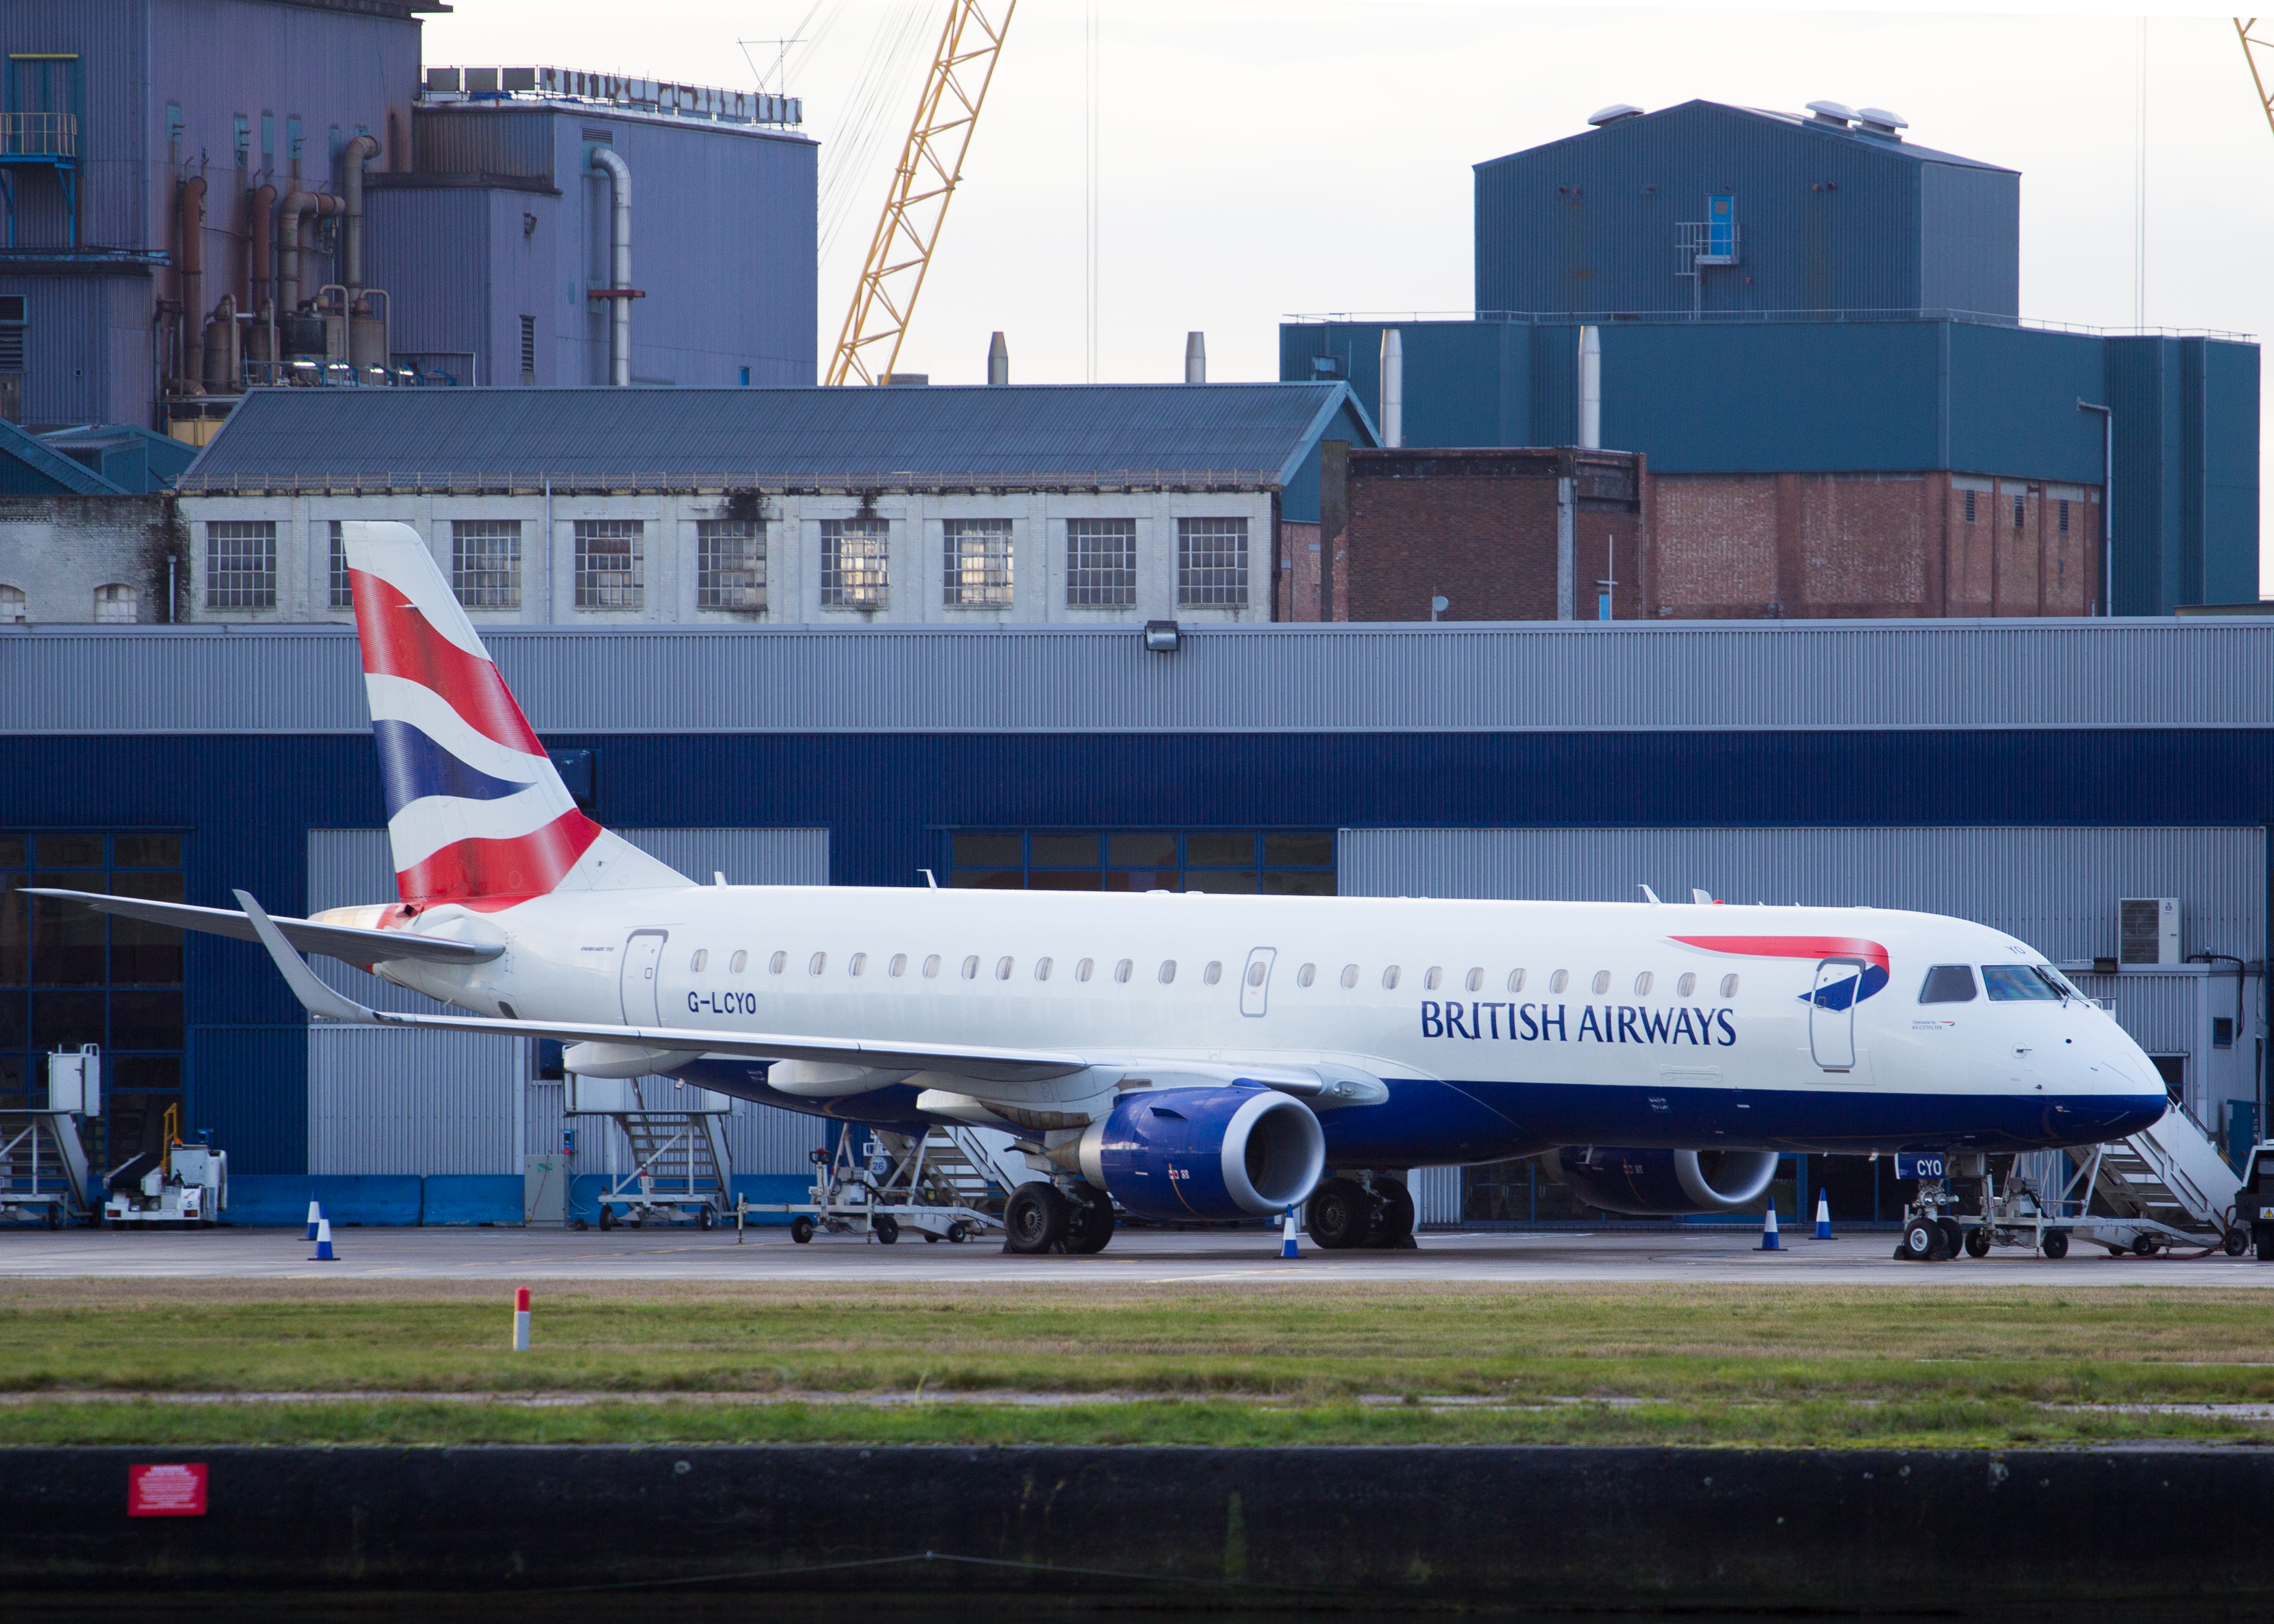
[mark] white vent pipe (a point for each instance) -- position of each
(1591, 388)
(1195, 358)
(619, 267)
(1393, 388)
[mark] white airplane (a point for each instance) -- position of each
(1183, 1056)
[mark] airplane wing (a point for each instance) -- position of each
(348, 943)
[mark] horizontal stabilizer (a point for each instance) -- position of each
(347, 943)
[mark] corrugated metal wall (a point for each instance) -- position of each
(2054, 888)
(461, 1103)
(1529, 677)
(511, 144)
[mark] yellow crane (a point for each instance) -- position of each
(2252, 45)
(924, 182)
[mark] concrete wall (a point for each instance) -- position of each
(59, 549)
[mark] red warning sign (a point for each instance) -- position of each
(166, 1491)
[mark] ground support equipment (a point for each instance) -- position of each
(944, 1186)
(680, 1170)
(43, 1170)
(184, 1185)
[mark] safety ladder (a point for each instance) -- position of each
(44, 1167)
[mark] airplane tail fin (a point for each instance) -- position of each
(476, 813)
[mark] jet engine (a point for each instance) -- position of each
(1205, 1153)
(1665, 1183)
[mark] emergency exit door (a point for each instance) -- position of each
(641, 973)
(1831, 1013)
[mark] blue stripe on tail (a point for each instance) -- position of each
(412, 767)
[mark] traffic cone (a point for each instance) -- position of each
(1824, 1214)
(1287, 1235)
(1769, 1232)
(315, 1213)
(323, 1242)
(521, 1320)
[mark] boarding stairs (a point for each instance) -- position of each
(960, 1167)
(680, 1167)
(43, 1169)
(2171, 1175)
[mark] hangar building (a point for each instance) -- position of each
(2029, 774)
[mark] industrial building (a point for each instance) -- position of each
(1809, 325)
(2030, 774)
(202, 194)
(986, 505)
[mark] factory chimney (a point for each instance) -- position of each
(998, 362)
(1195, 358)
(1591, 388)
(1393, 388)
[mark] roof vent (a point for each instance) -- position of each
(1833, 113)
(1879, 122)
(1612, 114)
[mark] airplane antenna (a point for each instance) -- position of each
(928, 880)
(1649, 893)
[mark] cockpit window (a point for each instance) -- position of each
(2061, 984)
(2017, 984)
(1948, 984)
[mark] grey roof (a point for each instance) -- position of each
(1909, 151)
(48, 466)
(1243, 434)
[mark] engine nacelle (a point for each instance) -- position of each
(1206, 1152)
(1649, 1183)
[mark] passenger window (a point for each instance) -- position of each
(1121, 971)
(1687, 985)
(1729, 985)
(1516, 981)
(779, 963)
(899, 965)
(1350, 977)
(971, 969)
(1436, 974)
(1081, 971)
(1255, 973)
(702, 957)
(1558, 981)
(1003, 968)
(1948, 984)
(858, 965)
(1642, 985)
(739, 961)
(1305, 976)
(1389, 977)
(816, 964)
(1214, 972)
(1602, 982)
(2017, 984)
(1168, 971)
(1042, 969)
(931, 967)
(1477, 979)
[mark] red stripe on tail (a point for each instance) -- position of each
(503, 872)
(399, 641)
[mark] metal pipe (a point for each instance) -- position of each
(357, 153)
(2107, 506)
(290, 221)
(620, 270)
(1195, 358)
(1393, 388)
(1591, 388)
(257, 267)
(999, 361)
(189, 284)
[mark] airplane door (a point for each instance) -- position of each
(642, 958)
(1831, 1013)
(1255, 981)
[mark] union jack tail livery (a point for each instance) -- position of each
(476, 814)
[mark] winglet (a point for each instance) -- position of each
(315, 996)
(1651, 895)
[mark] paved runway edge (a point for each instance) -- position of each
(1537, 1528)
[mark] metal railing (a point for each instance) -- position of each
(505, 483)
(39, 135)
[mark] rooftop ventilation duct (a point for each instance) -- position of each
(1879, 122)
(1837, 114)
(1612, 114)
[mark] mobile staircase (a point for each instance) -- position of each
(681, 1168)
(2166, 1187)
(949, 1184)
(44, 1176)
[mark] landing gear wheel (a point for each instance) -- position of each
(959, 1232)
(1089, 1223)
(1393, 1216)
(886, 1228)
(2145, 1246)
(800, 1229)
(1036, 1218)
(2055, 1246)
(1339, 1214)
(1921, 1240)
(1954, 1236)
(607, 1217)
(1978, 1243)
(2235, 1243)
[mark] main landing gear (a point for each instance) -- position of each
(1346, 1213)
(1041, 1217)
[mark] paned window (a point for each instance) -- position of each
(115, 605)
(485, 562)
(2017, 512)
(13, 605)
(977, 562)
(730, 564)
(1211, 563)
(609, 560)
(1100, 563)
(342, 593)
(241, 564)
(856, 563)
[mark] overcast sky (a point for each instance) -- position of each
(1263, 157)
